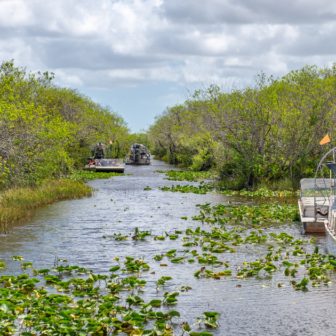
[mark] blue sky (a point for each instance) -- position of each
(139, 56)
(140, 104)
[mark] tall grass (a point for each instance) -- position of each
(17, 203)
(278, 185)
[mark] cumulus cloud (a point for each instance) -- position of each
(119, 43)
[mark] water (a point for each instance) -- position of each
(74, 229)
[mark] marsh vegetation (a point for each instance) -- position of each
(266, 133)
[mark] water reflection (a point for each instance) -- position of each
(74, 229)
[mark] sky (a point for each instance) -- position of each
(140, 56)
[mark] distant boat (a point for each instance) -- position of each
(139, 155)
(102, 161)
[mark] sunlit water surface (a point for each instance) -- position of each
(74, 229)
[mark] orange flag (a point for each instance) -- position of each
(325, 140)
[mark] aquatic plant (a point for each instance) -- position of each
(190, 176)
(17, 258)
(253, 214)
(140, 234)
(202, 188)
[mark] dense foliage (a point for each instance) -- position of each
(257, 134)
(45, 130)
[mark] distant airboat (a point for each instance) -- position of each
(139, 155)
(102, 160)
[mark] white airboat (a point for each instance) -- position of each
(317, 201)
(103, 161)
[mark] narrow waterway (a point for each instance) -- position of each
(74, 230)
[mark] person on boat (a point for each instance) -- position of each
(100, 151)
(92, 162)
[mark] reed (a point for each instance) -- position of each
(17, 203)
(280, 185)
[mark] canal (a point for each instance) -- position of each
(74, 230)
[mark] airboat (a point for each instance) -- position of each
(139, 155)
(102, 160)
(317, 203)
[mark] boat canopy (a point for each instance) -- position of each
(331, 166)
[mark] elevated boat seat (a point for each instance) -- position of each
(309, 211)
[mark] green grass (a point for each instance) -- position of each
(17, 203)
(284, 184)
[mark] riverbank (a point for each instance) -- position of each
(17, 203)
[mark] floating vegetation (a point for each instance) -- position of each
(254, 214)
(202, 188)
(210, 319)
(119, 236)
(178, 175)
(17, 258)
(140, 234)
(147, 188)
(27, 265)
(205, 187)
(93, 305)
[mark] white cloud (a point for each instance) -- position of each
(117, 43)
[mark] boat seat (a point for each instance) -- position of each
(309, 211)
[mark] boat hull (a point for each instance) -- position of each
(314, 227)
(106, 169)
(107, 166)
(110, 169)
(331, 240)
(309, 223)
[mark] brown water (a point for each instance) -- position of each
(73, 230)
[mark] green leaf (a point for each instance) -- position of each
(174, 313)
(155, 303)
(115, 268)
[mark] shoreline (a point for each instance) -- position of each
(17, 203)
